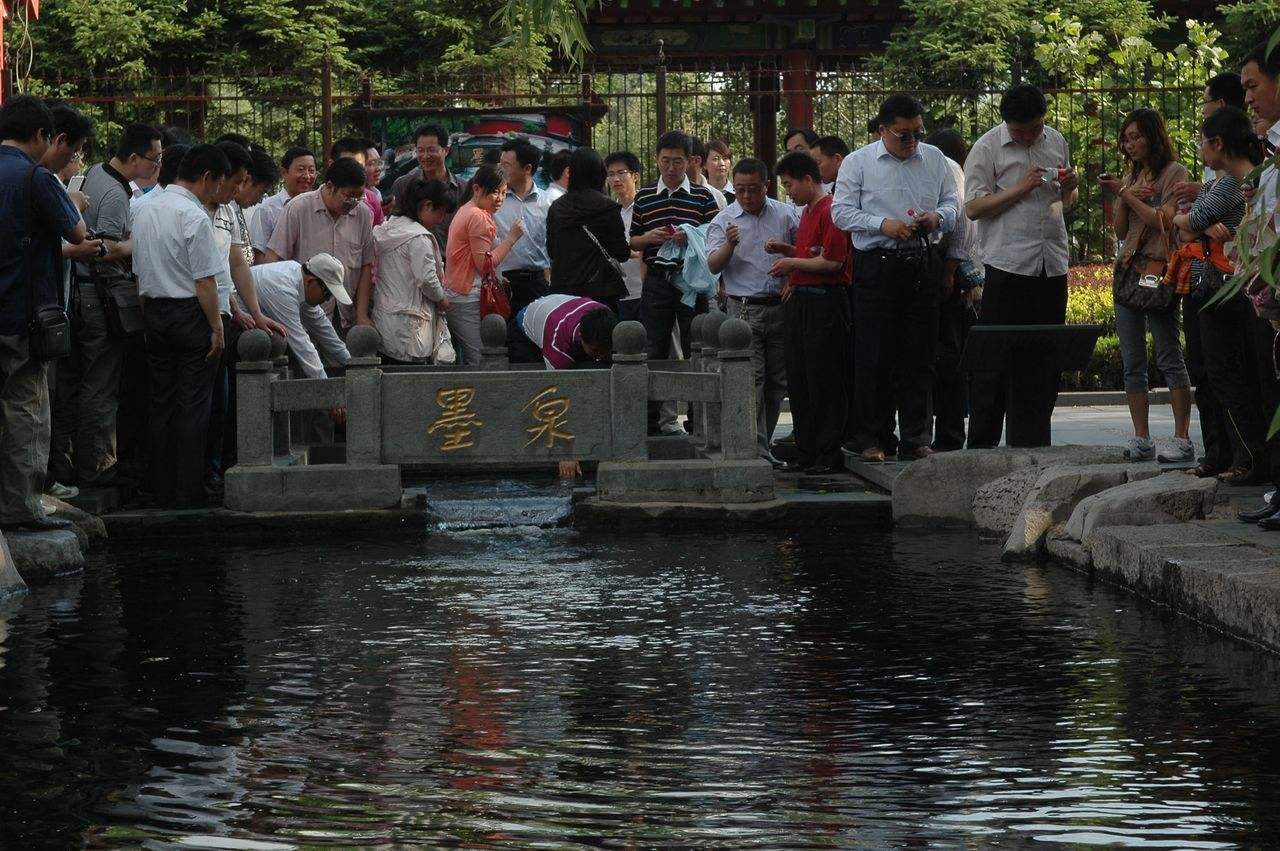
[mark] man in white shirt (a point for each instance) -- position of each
(623, 174)
(299, 176)
(556, 168)
(175, 257)
(1018, 182)
(525, 266)
(829, 153)
(294, 295)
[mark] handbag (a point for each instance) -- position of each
(494, 295)
(48, 328)
(443, 351)
(122, 306)
(608, 258)
(1138, 283)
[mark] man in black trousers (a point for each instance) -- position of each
(176, 258)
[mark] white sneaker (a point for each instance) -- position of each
(61, 491)
(1139, 449)
(1181, 451)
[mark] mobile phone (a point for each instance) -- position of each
(76, 184)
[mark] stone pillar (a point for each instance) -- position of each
(254, 374)
(697, 410)
(493, 343)
(284, 423)
(364, 397)
(629, 393)
(737, 392)
(711, 324)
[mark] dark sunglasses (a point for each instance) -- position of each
(907, 135)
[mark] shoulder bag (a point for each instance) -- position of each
(48, 329)
(494, 298)
(1138, 283)
(609, 259)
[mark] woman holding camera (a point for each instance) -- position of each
(1144, 211)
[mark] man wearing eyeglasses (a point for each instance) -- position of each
(431, 148)
(83, 449)
(896, 197)
(622, 170)
(1018, 183)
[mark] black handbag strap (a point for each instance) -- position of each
(28, 218)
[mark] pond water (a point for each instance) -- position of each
(526, 687)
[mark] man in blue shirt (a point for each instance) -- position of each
(895, 197)
(31, 229)
(742, 247)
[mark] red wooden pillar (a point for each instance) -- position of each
(799, 81)
(763, 88)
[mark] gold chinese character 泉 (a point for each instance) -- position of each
(549, 413)
(456, 417)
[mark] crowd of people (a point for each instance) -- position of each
(123, 290)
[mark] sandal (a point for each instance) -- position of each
(1237, 476)
(1206, 471)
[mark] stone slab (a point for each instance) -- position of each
(1055, 494)
(940, 489)
(313, 488)
(518, 416)
(1199, 569)
(10, 580)
(42, 556)
(1167, 498)
(89, 527)
(698, 481)
(998, 503)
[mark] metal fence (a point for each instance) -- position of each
(730, 103)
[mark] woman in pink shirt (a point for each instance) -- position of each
(470, 248)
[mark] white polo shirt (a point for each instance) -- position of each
(173, 245)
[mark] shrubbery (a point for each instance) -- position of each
(1090, 302)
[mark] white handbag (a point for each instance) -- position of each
(443, 352)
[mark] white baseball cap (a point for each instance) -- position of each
(330, 272)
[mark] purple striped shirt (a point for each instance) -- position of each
(552, 321)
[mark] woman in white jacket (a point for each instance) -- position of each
(409, 296)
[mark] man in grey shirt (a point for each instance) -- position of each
(1018, 181)
(431, 147)
(83, 444)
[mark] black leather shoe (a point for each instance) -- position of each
(818, 470)
(1270, 524)
(1266, 512)
(37, 524)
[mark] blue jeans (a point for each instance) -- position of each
(1132, 326)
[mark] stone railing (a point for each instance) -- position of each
(498, 415)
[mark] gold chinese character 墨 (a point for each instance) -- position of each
(549, 413)
(456, 417)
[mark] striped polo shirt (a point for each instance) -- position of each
(657, 206)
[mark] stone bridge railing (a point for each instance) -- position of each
(498, 415)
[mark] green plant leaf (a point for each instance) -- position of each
(1275, 424)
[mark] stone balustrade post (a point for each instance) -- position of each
(493, 344)
(737, 392)
(629, 393)
(364, 396)
(711, 324)
(254, 374)
(285, 422)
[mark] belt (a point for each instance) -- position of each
(760, 300)
(895, 252)
(816, 289)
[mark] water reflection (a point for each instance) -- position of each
(522, 686)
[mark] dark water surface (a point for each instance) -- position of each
(546, 688)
